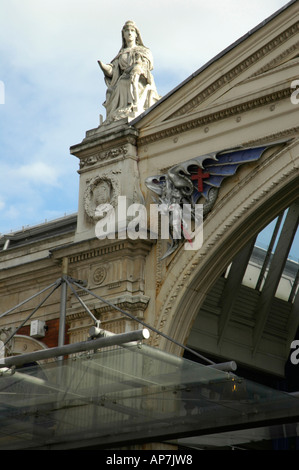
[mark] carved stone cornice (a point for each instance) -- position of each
(105, 144)
(135, 304)
(275, 62)
(292, 132)
(125, 302)
(224, 113)
(237, 70)
(104, 157)
(94, 248)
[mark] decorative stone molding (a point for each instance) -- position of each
(275, 62)
(237, 70)
(217, 116)
(105, 156)
(113, 285)
(99, 275)
(104, 145)
(132, 303)
(273, 137)
(80, 253)
(103, 189)
(95, 253)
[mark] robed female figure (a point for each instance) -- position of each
(130, 84)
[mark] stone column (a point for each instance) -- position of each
(113, 268)
(108, 169)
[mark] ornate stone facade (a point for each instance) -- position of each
(240, 99)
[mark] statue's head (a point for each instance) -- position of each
(131, 24)
(102, 192)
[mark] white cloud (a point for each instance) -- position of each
(38, 173)
(57, 37)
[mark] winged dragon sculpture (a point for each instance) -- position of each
(198, 181)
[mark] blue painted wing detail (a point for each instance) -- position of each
(225, 165)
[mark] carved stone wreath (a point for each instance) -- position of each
(108, 180)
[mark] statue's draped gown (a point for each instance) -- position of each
(131, 86)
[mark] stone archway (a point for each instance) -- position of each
(262, 192)
(18, 344)
(25, 344)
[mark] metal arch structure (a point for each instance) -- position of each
(259, 291)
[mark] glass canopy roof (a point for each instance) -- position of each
(124, 396)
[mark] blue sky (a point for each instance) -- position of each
(54, 89)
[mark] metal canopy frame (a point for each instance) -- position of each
(62, 350)
(129, 392)
(111, 398)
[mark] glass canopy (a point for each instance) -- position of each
(125, 396)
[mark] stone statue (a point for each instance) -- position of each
(130, 85)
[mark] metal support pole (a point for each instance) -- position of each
(230, 366)
(56, 283)
(62, 313)
(155, 353)
(142, 323)
(63, 298)
(81, 301)
(269, 252)
(120, 339)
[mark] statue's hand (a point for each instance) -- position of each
(107, 69)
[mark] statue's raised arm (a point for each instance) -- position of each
(107, 68)
(130, 84)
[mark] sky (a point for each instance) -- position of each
(52, 88)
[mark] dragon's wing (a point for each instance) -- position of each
(203, 174)
(217, 166)
(223, 165)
